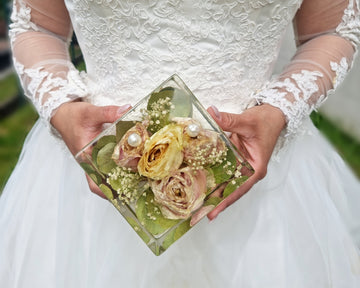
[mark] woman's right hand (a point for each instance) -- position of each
(79, 122)
(255, 133)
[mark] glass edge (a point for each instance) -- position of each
(177, 79)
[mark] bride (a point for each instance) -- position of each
(295, 223)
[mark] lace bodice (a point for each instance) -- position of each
(224, 50)
(218, 47)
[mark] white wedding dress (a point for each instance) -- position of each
(299, 227)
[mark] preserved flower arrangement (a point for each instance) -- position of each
(165, 164)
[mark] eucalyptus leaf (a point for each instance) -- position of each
(89, 169)
(233, 185)
(105, 140)
(224, 171)
(96, 178)
(93, 174)
(162, 111)
(103, 159)
(182, 104)
(150, 216)
(122, 127)
(115, 183)
(212, 201)
(107, 191)
(100, 144)
(162, 94)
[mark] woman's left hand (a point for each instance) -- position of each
(254, 133)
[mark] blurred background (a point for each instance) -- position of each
(338, 119)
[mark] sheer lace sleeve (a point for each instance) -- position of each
(40, 33)
(328, 33)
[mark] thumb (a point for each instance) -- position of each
(109, 114)
(227, 121)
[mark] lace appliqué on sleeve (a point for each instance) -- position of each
(47, 91)
(49, 81)
(349, 28)
(341, 69)
(21, 20)
(296, 93)
(301, 87)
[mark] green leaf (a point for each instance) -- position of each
(96, 178)
(182, 103)
(231, 187)
(224, 171)
(212, 201)
(107, 191)
(88, 168)
(162, 94)
(178, 98)
(103, 159)
(146, 210)
(100, 144)
(93, 174)
(176, 233)
(115, 183)
(128, 185)
(161, 120)
(105, 140)
(122, 127)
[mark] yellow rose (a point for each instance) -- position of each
(162, 153)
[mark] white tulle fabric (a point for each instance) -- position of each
(56, 233)
(299, 227)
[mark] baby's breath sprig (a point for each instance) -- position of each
(126, 183)
(237, 174)
(158, 114)
(206, 156)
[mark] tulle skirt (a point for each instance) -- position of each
(298, 227)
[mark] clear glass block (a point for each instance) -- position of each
(165, 164)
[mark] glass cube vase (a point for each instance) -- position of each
(165, 164)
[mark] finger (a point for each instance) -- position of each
(244, 188)
(239, 144)
(94, 188)
(227, 121)
(109, 114)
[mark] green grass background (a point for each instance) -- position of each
(13, 130)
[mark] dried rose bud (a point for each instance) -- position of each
(126, 155)
(180, 193)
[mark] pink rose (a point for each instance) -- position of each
(205, 149)
(180, 193)
(201, 150)
(126, 155)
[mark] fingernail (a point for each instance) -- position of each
(216, 111)
(122, 109)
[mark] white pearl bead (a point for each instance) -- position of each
(134, 140)
(193, 130)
